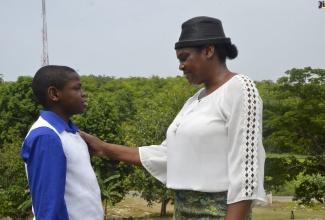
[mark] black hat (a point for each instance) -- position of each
(201, 31)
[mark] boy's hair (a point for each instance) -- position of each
(51, 75)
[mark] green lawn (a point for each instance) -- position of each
(282, 210)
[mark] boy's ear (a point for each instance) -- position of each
(53, 93)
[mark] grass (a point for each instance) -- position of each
(136, 208)
(282, 210)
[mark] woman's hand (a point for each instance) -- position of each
(98, 147)
(95, 145)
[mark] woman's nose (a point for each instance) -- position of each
(181, 66)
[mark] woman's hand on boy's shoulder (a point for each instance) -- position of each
(94, 144)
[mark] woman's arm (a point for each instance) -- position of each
(246, 155)
(98, 147)
(238, 210)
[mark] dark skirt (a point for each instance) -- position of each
(200, 205)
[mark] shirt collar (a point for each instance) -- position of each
(58, 123)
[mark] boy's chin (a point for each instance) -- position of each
(82, 111)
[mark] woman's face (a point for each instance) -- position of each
(192, 63)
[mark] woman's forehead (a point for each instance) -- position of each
(184, 50)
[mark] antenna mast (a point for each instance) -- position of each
(45, 56)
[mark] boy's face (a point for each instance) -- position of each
(72, 99)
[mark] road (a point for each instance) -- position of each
(282, 198)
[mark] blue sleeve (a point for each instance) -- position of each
(46, 168)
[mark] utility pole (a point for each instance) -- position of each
(45, 56)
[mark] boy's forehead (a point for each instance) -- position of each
(73, 75)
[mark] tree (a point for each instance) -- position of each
(134, 111)
(18, 110)
(108, 106)
(13, 181)
(156, 107)
(295, 124)
(1, 79)
(18, 107)
(109, 190)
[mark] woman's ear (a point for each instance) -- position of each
(209, 51)
(53, 93)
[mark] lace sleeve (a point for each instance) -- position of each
(250, 138)
(246, 154)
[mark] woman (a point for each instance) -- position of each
(213, 155)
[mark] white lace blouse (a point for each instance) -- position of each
(214, 144)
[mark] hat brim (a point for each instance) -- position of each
(182, 44)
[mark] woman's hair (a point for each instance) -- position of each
(224, 51)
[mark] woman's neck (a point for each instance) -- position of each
(219, 77)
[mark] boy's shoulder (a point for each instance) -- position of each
(41, 128)
(44, 123)
(41, 131)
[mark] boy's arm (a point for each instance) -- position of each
(46, 167)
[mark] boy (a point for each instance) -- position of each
(62, 182)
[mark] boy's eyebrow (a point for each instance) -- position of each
(78, 84)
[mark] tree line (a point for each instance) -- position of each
(137, 111)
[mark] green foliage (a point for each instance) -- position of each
(134, 112)
(315, 186)
(27, 204)
(108, 187)
(109, 190)
(18, 107)
(15, 101)
(155, 111)
(137, 111)
(10, 199)
(294, 119)
(289, 170)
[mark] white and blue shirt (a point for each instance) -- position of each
(62, 182)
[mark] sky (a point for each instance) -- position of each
(131, 38)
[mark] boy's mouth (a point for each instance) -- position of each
(85, 103)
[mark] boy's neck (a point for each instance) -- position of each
(65, 117)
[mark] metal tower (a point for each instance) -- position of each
(45, 56)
